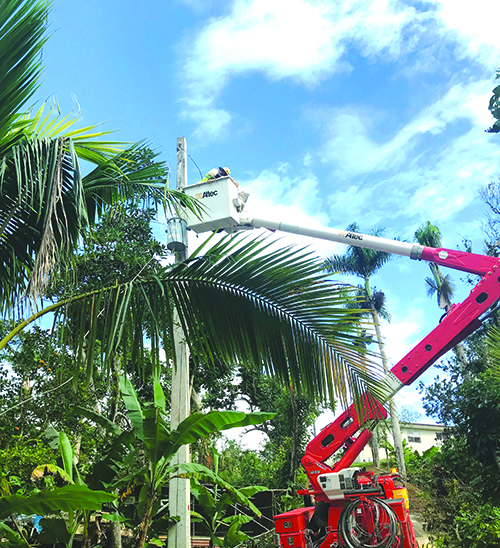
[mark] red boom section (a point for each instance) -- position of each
(459, 322)
(337, 434)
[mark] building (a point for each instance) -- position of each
(419, 437)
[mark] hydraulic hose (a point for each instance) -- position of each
(369, 523)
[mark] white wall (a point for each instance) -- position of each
(426, 433)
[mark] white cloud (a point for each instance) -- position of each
(348, 145)
(297, 39)
(442, 190)
(307, 41)
(474, 26)
(407, 175)
(293, 198)
(346, 130)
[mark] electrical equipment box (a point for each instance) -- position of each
(291, 526)
(335, 484)
(294, 520)
(221, 205)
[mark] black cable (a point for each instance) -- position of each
(384, 534)
(191, 158)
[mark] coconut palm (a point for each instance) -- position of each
(430, 236)
(364, 263)
(238, 301)
(44, 199)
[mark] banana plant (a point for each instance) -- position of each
(214, 507)
(74, 502)
(63, 528)
(158, 444)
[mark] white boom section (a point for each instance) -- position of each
(414, 251)
(223, 204)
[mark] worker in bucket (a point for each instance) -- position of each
(216, 174)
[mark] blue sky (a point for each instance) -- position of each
(327, 112)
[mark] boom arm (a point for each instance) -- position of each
(347, 513)
(223, 206)
(460, 321)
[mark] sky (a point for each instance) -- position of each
(327, 112)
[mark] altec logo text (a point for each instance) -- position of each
(351, 235)
(206, 194)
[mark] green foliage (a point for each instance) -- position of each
(66, 499)
(472, 409)
(157, 444)
(235, 301)
(407, 451)
(494, 108)
(429, 235)
(212, 512)
(363, 263)
(461, 481)
(10, 538)
(40, 386)
(478, 527)
(359, 261)
(288, 432)
(20, 458)
(244, 467)
(218, 383)
(64, 527)
(119, 249)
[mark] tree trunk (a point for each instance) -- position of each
(374, 446)
(116, 534)
(145, 521)
(396, 430)
(195, 399)
(115, 388)
(76, 451)
(459, 351)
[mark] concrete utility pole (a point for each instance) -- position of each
(179, 536)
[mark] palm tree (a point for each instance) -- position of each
(364, 263)
(44, 200)
(306, 338)
(238, 302)
(430, 236)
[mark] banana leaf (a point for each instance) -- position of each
(66, 499)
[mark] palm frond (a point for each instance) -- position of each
(45, 204)
(238, 302)
(39, 213)
(379, 304)
(431, 286)
(446, 291)
(493, 345)
(428, 235)
(22, 36)
(344, 264)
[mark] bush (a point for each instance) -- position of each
(478, 527)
